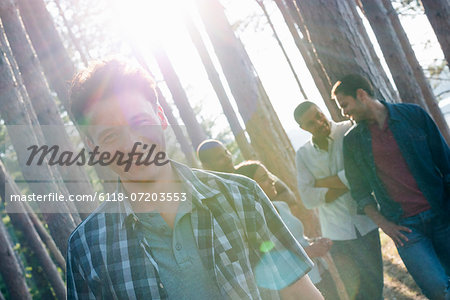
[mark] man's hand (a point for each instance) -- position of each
(391, 229)
(395, 232)
(319, 248)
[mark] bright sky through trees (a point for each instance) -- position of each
(147, 23)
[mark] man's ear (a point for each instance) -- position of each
(162, 117)
(361, 94)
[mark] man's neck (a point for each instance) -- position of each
(378, 114)
(321, 142)
(167, 181)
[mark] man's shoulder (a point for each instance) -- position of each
(219, 180)
(90, 228)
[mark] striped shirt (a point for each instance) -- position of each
(240, 238)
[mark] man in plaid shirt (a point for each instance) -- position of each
(218, 236)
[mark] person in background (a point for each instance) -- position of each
(322, 184)
(315, 249)
(214, 156)
(396, 153)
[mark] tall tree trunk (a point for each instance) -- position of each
(72, 37)
(401, 71)
(185, 144)
(373, 54)
(20, 220)
(40, 180)
(266, 132)
(338, 44)
(46, 237)
(77, 181)
(214, 78)
(427, 91)
(438, 13)
(10, 269)
(291, 17)
(280, 44)
(55, 62)
(194, 129)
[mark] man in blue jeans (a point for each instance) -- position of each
(397, 153)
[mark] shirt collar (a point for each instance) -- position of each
(191, 183)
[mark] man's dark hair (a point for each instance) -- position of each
(248, 168)
(206, 145)
(348, 85)
(104, 79)
(301, 109)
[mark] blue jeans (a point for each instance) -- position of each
(426, 254)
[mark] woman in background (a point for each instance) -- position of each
(315, 249)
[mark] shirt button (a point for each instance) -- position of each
(178, 246)
(161, 285)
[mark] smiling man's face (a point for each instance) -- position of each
(315, 122)
(118, 122)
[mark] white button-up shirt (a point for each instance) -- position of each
(338, 219)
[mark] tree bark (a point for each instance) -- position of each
(13, 112)
(10, 269)
(238, 132)
(56, 63)
(338, 44)
(75, 177)
(438, 13)
(185, 144)
(427, 91)
(401, 71)
(22, 222)
(194, 129)
(291, 16)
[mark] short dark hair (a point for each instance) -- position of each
(248, 168)
(206, 145)
(350, 83)
(104, 79)
(301, 109)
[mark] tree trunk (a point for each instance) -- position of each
(280, 44)
(185, 144)
(40, 179)
(194, 129)
(427, 91)
(47, 43)
(338, 44)
(46, 238)
(266, 132)
(238, 132)
(393, 52)
(291, 16)
(21, 221)
(56, 63)
(438, 13)
(10, 269)
(75, 177)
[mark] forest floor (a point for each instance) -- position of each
(398, 284)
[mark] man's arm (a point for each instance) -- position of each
(77, 286)
(285, 260)
(301, 289)
(332, 182)
(360, 188)
(311, 196)
(391, 229)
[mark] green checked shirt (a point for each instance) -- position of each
(241, 241)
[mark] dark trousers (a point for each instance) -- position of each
(327, 286)
(360, 265)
